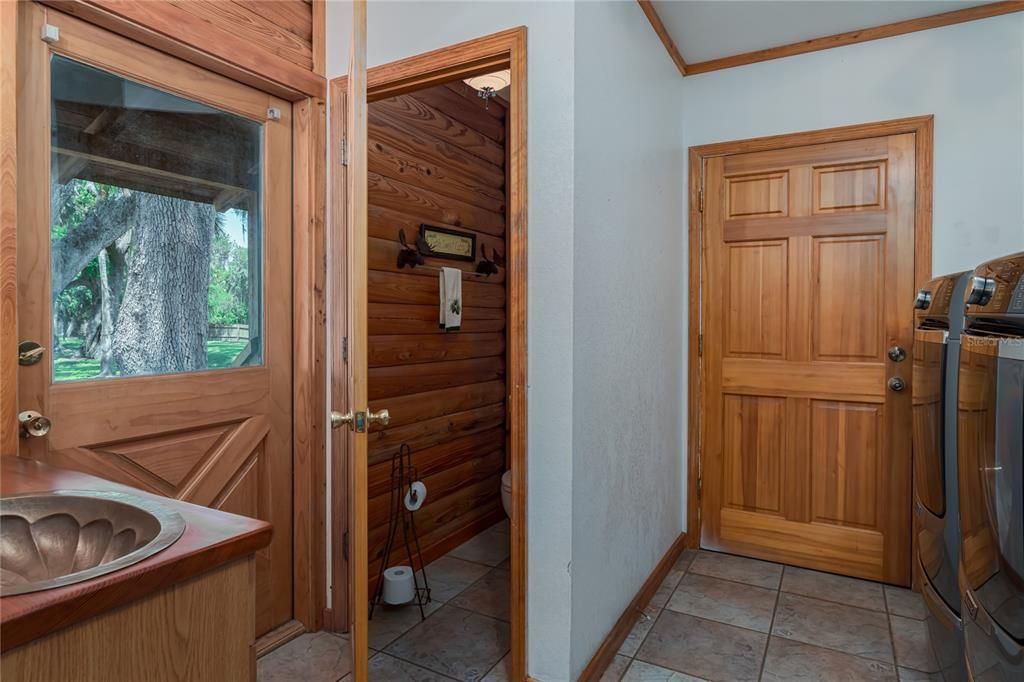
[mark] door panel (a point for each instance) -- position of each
(146, 259)
(803, 457)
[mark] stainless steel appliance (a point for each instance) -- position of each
(939, 320)
(990, 439)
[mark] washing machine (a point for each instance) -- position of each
(990, 447)
(939, 321)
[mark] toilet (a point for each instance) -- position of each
(506, 492)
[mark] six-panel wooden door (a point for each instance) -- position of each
(807, 284)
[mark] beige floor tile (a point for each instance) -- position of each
(454, 642)
(724, 601)
(904, 602)
(490, 547)
(908, 675)
(502, 672)
(636, 635)
(448, 576)
(738, 569)
(834, 626)
(913, 644)
(639, 671)
(489, 596)
(391, 622)
(312, 657)
(790, 661)
(862, 593)
(667, 587)
(685, 559)
(615, 669)
(385, 668)
(703, 648)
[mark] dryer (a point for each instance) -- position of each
(939, 320)
(990, 440)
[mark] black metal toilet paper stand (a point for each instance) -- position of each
(403, 475)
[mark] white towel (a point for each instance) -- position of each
(451, 299)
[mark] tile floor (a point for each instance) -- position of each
(715, 617)
(722, 617)
(465, 636)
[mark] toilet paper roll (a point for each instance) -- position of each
(399, 587)
(415, 496)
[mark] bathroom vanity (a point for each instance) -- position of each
(186, 612)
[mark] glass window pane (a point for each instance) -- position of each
(156, 235)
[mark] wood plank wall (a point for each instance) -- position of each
(437, 156)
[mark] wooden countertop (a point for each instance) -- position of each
(211, 538)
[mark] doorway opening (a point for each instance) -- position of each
(446, 201)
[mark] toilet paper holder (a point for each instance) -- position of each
(408, 494)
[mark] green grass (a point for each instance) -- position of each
(69, 367)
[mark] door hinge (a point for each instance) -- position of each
(344, 349)
(700, 345)
(344, 545)
(700, 200)
(344, 151)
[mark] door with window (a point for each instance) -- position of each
(154, 257)
(808, 329)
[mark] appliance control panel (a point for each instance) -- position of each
(935, 298)
(997, 288)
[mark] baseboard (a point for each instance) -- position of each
(624, 625)
(282, 634)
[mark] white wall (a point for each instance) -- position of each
(970, 76)
(403, 29)
(627, 315)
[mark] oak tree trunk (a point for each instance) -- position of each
(162, 323)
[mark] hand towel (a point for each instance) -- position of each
(451, 299)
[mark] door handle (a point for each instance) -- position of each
(338, 419)
(357, 421)
(897, 384)
(33, 424)
(382, 417)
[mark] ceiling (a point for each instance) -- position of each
(710, 29)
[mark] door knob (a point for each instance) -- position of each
(383, 417)
(338, 419)
(897, 384)
(897, 354)
(33, 424)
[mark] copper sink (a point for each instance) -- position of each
(66, 536)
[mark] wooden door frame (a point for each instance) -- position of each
(506, 49)
(308, 274)
(923, 129)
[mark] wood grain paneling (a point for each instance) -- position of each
(756, 320)
(8, 232)
(436, 156)
(755, 432)
(845, 453)
(758, 195)
(849, 187)
(842, 265)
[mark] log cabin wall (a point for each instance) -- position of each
(437, 156)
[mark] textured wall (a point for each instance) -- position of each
(627, 315)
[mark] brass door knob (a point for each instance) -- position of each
(33, 424)
(338, 419)
(383, 417)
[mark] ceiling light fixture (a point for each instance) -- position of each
(488, 85)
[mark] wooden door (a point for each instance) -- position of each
(808, 279)
(159, 203)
